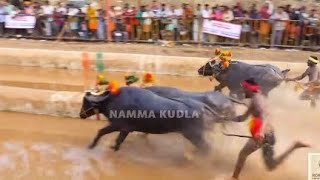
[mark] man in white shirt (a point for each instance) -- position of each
(48, 13)
(206, 12)
(61, 8)
(279, 24)
(2, 17)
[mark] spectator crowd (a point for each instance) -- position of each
(283, 25)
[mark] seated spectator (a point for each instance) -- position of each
(120, 34)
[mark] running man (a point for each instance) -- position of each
(313, 74)
(261, 130)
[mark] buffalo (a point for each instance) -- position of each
(148, 115)
(268, 76)
(222, 105)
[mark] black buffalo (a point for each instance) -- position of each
(266, 75)
(192, 125)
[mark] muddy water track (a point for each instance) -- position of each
(44, 147)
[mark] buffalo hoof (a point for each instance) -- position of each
(114, 148)
(189, 155)
(91, 146)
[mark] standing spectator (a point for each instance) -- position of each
(303, 18)
(206, 15)
(147, 16)
(162, 15)
(139, 27)
(82, 25)
(9, 7)
(270, 7)
(227, 14)
(48, 17)
(173, 15)
(183, 30)
(254, 12)
(128, 16)
(73, 20)
(135, 22)
(188, 19)
(197, 24)
(58, 19)
(61, 8)
(265, 26)
(254, 16)
(39, 19)
(16, 3)
(238, 11)
(217, 13)
(313, 27)
(2, 17)
(111, 22)
(120, 33)
(92, 16)
(246, 29)
(155, 7)
(279, 26)
(101, 25)
(28, 10)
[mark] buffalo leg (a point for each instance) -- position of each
(198, 140)
(121, 137)
(219, 87)
(102, 132)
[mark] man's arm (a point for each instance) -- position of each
(302, 76)
(243, 117)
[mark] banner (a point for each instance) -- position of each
(20, 22)
(222, 29)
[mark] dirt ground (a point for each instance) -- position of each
(188, 51)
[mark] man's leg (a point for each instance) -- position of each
(268, 151)
(248, 149)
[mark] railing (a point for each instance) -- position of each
(254, 32)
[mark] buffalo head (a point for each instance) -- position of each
(211, 68)
(92, 103)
